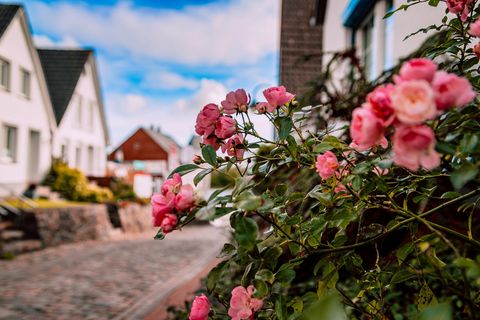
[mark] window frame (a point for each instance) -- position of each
(24, 72)
(13, 156)
(5, 62)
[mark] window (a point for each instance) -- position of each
(388, 42)
(90, 160)
(367, 48)
(79, 111)
(91, 113)
(9, 143)
(78, 157)
(25, 83)
(64, 152)
(5, 74)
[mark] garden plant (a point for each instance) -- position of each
(376, 219)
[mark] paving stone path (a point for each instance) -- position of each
(116, 279)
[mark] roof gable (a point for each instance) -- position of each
(7, 13)
(62, 69)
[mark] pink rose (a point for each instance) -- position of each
(414, 102)
(211, 140)
(162, 204)
(242, 305)
(225, 127)
(277, 96)
(413, 147)
(206, 119)
(172, 184)
(234, 147)
(460, 6)
(263, 107)
(200, 308)
(366, 129)
(418, 69)
(234, 101)
(327, 164)
(380, 103)
(185, 199)
(475, 28)
(169, 223)
(476, 50)
(197, 159)
(340, 188)
(451, 90)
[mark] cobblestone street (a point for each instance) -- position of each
(104, 279)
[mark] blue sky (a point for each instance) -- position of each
(161, 61)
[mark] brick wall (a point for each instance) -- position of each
(298, 40)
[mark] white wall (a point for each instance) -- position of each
(20, 112)
(88, 132)
(336, 37)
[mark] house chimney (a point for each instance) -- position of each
(158, 129)
(152, 127)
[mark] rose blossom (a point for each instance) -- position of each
(476, 50)
(172, 184)
(225, 127)
(206, 118)
(162, 204)
(211, 140)
(413, 101)
(380, 103)
(185, 199)
(242, 305)
(234, 147)
(169, 223)
(340, 188)
(413, 147)
(235, 100)
(366, 129)
(200, 308)
(277, 96)
(327, 164)
(451, 90)
(475, 28)
(460, 6)
(418, 69)
(263, 107)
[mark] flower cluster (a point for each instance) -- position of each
(219, 129)
(419, 93)
(461, 7)
(174, 198)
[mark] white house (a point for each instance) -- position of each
(26, 117)
(82, 134)
(380, 42)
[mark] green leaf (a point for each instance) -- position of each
(281, 189)
(184, 169)
(425, 297)
(441, 311)
(450, 195)
(209, 155)
(248, 201)
(261, 288)
(401, 276)
(214, 275)
(246, 230)
(285, 274)
(227, 250)
(403, 252)
(327, 308)
(265, 275)
(464, 174)
(200, 176)
(271, 255)
(286, 125)
(159, 235)
(280, 308)
(433, 3)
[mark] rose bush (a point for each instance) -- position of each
(374, 220)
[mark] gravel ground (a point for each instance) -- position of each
(104, 279)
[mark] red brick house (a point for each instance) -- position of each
(146, 158)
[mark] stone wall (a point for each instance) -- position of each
(56, 226)
(72, 224)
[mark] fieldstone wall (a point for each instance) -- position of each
(135, 217)
(55, 226)
(72, 224)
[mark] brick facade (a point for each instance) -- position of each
(301, 37)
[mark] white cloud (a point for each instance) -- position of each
(169, 80)
(227, 33)
(44, 41)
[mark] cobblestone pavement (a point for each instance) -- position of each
(103, 279)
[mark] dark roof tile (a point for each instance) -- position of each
(7, 12)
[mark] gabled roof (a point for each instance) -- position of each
(62, 69)
(7, 13)
(163, 140)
